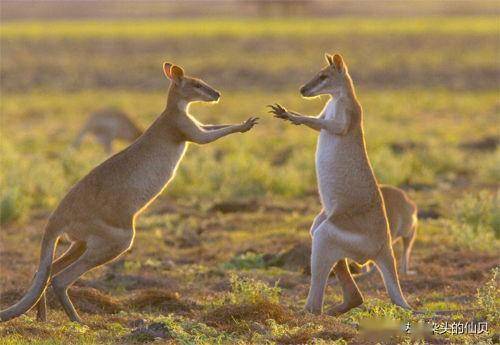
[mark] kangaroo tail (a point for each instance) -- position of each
(39, 282)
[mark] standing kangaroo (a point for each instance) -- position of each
(403, 222)
(108, 125)
(353, 222)
(98, 213)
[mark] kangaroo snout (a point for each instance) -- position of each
(216, 95)
(303, 91)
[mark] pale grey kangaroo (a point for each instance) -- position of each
(353, 222)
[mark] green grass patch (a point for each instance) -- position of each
(245, 261)
(475, 222)
(252, 27)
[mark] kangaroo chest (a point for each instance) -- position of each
(157, 170)
(342, 169)
(327, 142)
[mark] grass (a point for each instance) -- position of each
(239, 28)
(476, 222)
(488, 299)
(240, 169)
(201, 274)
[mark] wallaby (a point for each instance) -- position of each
(353, 222)
(108, 125)
(98, 214)
(403, 222)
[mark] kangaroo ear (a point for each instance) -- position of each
(177, 72)
(329, 59)
(338, 61)
(167, 69)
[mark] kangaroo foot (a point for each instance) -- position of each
(345, 306)
(313, 310)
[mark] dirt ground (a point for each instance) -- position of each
(193, 269)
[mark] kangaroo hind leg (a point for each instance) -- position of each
(324, 254)
(98, 252)
(352, 297)
(71, 255)
(407, 248)
(320, 218)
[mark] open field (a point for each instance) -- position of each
(221, 256)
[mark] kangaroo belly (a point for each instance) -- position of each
(122, 186)
(149, 181)
(345, 178)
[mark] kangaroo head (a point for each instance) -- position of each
(329, 79)
(188, 88)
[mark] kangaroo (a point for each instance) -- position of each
(403, 222)
(353, 222)
(98, 214)
(108, 125)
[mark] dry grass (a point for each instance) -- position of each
(239, 317)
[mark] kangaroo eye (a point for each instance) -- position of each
(322, 77)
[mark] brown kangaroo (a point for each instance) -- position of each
(403, 223)
(108, 125)
(353, 222)
(98, 213)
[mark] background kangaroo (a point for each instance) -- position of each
(98, 213)
(108, 125)
(403, 222)
(353, 222)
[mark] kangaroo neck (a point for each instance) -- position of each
(346, 90)
(176, 103)
(163, 130)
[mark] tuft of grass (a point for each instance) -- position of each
(13, 204)
(488, 298)
(285, 334)
(156, 299)
(246, 261)
(251, 291)
(250, 301)
(377, 309)
(240, 317)
(185, 331)
(475, 222)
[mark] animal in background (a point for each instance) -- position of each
(98, 213)
(108, 125)
(403, 222)
(353, 222)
